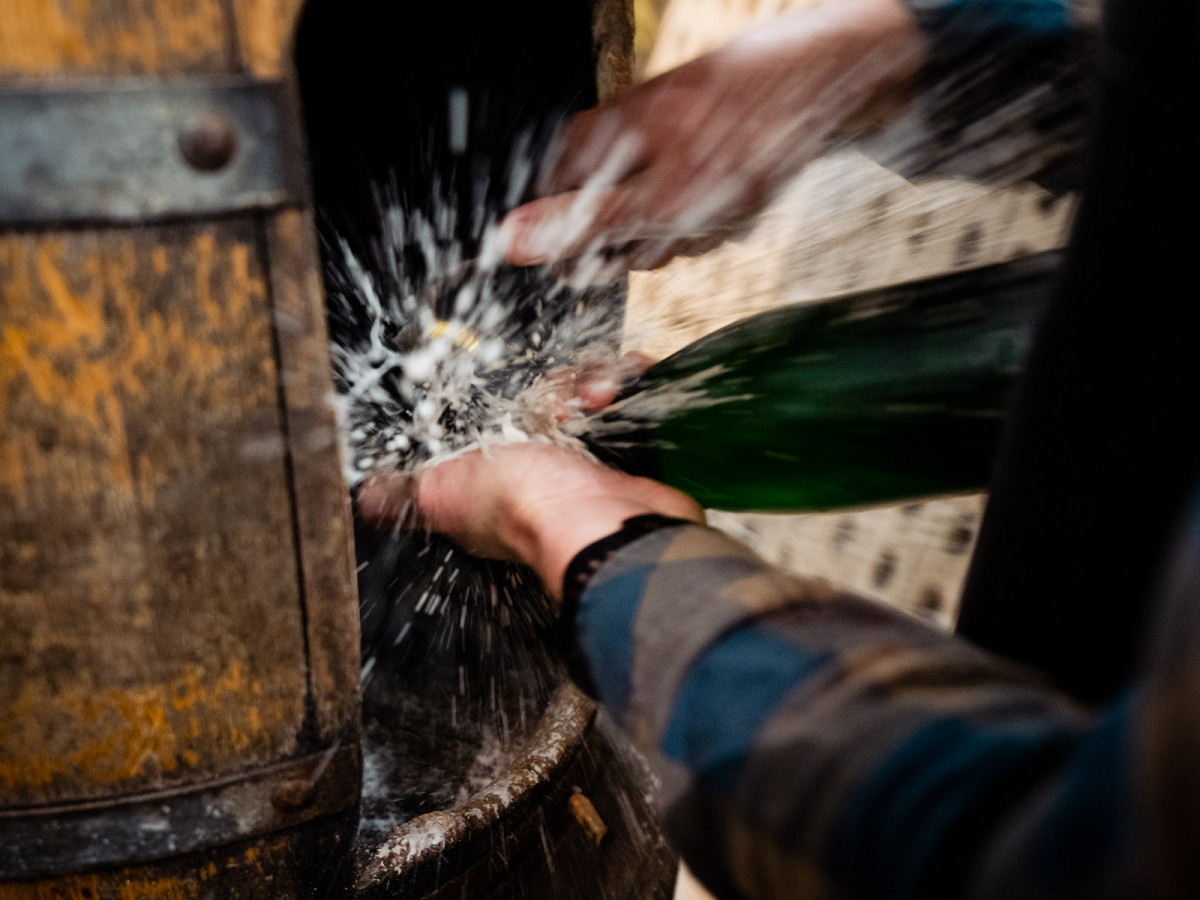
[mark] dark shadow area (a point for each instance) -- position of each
(377, 79)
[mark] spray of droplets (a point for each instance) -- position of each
(439, 347)
(450, 352)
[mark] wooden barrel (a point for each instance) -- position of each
(178, 623)
(566, 816)
(179, 636)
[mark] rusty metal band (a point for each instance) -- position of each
(140, 149)
(78, 837)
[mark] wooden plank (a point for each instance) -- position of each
(150, 623)
(612, 45)
(322, 505)
(299, 863)
(265, 35)
(63, 38)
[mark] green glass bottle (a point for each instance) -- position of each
(877, 396)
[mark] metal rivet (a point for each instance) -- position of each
(207, 141)
(294, 794)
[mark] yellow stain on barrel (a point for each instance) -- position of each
(152, 730)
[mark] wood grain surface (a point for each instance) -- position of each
(153, 627)
(322, 527)
(53, 39)
(176, 588)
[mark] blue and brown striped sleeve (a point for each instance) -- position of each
(1004, 94)
(814, 744)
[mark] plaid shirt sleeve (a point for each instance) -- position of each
(813, 744)
(1004, 94)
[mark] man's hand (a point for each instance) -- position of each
(684, 161)
(531, 502)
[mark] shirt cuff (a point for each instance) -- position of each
(579, 572)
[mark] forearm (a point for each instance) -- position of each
(806, 736)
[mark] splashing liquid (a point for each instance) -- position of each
(438, 347)
(441, 353)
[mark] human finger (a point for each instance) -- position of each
(386, 500)
(648, 255)
(641, 224)
(450, 497)
(597, 147)
(566, 225)
(599, 387)
(586, 386)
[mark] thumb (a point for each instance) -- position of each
(564, 226)
(387, 500)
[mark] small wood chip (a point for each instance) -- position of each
(585, 814)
